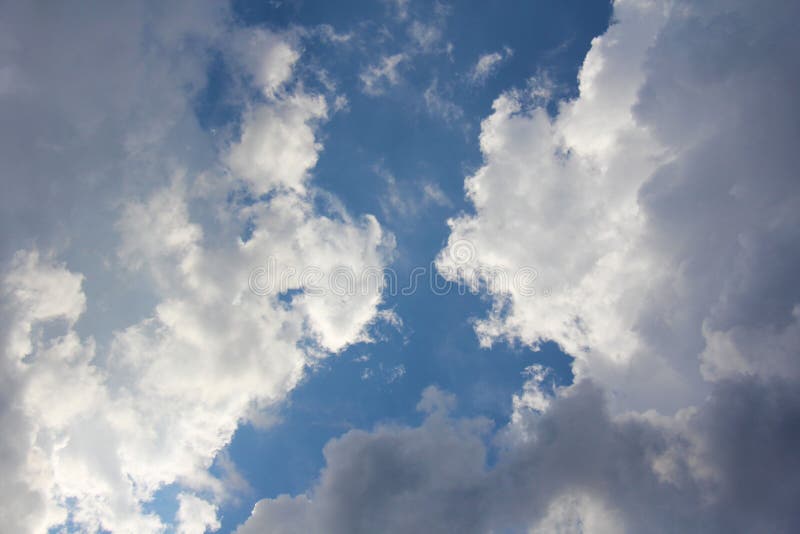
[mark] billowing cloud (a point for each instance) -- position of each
(644, 204)
(102, 406)
(656, 214)
(573, 469)
(196, 516)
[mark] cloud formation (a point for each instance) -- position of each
(644, 204)
(98, 418)
(376, 78)
(659, 208)
(487, 64)
(574, 468)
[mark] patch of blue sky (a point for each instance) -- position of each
(389, 155)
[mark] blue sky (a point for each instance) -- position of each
(597, 202)
(435, 345)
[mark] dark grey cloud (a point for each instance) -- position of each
(733, 467)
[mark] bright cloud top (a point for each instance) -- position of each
(656, 213)
(167, 395)
(659, 208)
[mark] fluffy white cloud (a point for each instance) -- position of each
(644, 204)
(196, 516)
(278, 144)
(99, 413)
(659, 210)
(267, 58)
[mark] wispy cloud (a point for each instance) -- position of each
(438, 105)
(487, 64)
(376, 78)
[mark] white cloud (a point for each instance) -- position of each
(400, 7)
(277, 147)
(195, 515)
(487, 64)
(660, 211)
(376, 78)
(440, 106)
(267, 57)
(424, 36)
(624, 205)
(101, 408)
(407, 199)
(434, 194)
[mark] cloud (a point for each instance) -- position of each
(196, 516)
(277, 147)
(102, 407)
(433, 193)
(267, 58)
(644, 203)
(440, 106)
(578, 470)
(487, 64)
(407, 200)
(400, 7)
(102, 122)
(376, 78)
(424, 36)
(659, 209)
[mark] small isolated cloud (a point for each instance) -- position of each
(407, 199)
(389, 375)
(395, 373)
(399, 8)
(376, 78)
(439, 106)
(487, 64)
(432, 193)
(424, 36)
(328, 33)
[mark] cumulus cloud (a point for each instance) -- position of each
(196, 516)
(659, 210)
(277, 146)
(579, 469)
(102, 408)
(644, 204)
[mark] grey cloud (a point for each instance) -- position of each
(91, 96)
(724, 462)
(106, 358)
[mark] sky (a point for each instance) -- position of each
(399, 266)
